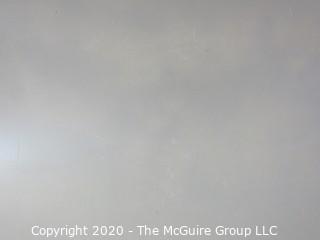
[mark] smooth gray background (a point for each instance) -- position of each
(160, 112)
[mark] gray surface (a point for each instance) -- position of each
(199, 112)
